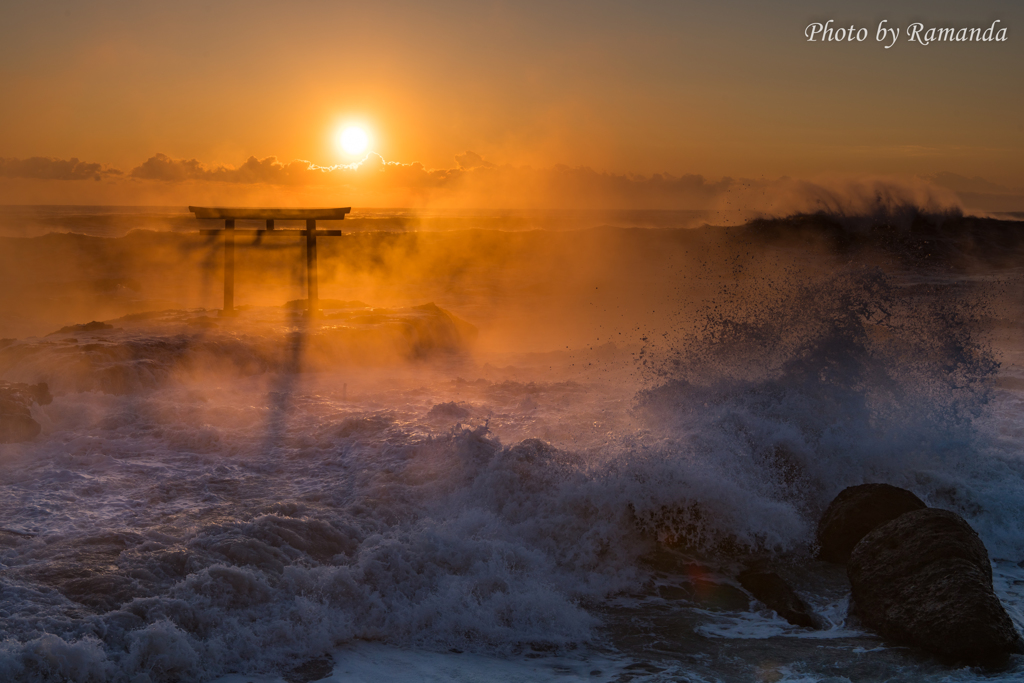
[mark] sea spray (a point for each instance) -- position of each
(790, 397)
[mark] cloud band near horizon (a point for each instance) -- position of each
(474, 180)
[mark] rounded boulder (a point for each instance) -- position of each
(855, 512)
(924, 579)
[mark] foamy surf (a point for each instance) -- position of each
(371, 662)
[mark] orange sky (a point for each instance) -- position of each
(729, 89)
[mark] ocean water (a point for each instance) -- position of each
(116, 221)
(524, 510)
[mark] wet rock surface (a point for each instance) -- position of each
(142, 351)
(450, 411)
(313, 670)
(776, 594)
(16, 423)
(94, 326)
(925, 579)
(855, 512)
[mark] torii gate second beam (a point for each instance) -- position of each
(230, 215)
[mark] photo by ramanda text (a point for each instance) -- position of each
(915, 33)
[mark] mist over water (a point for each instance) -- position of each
(117, 221)
(605, 423)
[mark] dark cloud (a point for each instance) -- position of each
(474, 182)
(472, 176)
(48, 168)
(470, 160)
(473, 179)
(269, 170)
(162, 167)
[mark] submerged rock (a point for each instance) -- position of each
(450, 410)
(924, 579)
(94, 326)
(145, 350)
(313, 670)
(776, 594)
(16, 423)
(855, 512)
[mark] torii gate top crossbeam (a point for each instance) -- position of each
(270, 214)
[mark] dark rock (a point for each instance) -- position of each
(773, 591)
(313, 670)
(924, 579)
(707, 594)
(94, 326)
(40, 393)
(326, 304)
(449, 410)
(16, 423)
(855, 512)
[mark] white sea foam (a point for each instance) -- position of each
(372, 662)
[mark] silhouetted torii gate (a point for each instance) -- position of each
(311, 216)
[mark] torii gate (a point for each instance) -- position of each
(230, 215)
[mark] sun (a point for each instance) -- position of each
(353, 140)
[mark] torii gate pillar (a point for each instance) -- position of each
(311, 280)
(229, 268)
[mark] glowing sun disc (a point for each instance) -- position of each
(354, 140)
